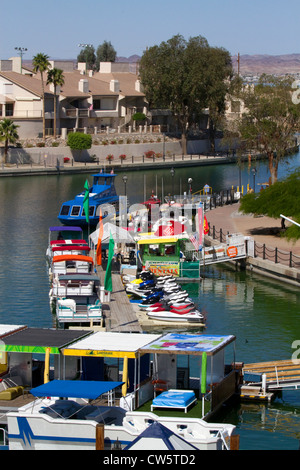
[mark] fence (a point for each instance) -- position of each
(262, 251)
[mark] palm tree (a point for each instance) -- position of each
(56, 77)
(8, 133)
(41, 64)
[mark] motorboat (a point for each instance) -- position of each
(65, 285)
(67, 264)
(102, 193)
(64, 236)
(70, 422)
(79, 309)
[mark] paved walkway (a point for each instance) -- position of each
(264, 230)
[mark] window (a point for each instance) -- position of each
(91, 211)
(75, 211)
(65, 210)
(9, 109)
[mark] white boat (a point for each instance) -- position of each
(64, 236)
(193, 316)
(67, 264)
(65, 285)
(70, 424)
(79, 309)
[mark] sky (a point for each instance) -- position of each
(56, 28)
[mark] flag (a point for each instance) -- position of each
(108, 279)
(200, 226)
(86, 202)
(99, 244)
(205, 226)
(194, 240)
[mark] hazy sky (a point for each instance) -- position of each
(58, 26)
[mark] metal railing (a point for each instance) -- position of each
(275, 255)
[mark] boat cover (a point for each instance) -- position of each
(174, 399)
(61, 228)
(89, 389)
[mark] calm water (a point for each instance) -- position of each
(261, 313)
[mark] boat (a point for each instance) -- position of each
(66, 264)
(64, 236)
(193, 316)
(65, 285)
(101, 193)
(70, 422)
(79, 309)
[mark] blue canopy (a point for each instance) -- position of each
(61, 228)
(74, 389)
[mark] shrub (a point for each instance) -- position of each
(122, 157)
(79, 141)
(55, 144)
(66, 159)
(139, 117)
(150, 154)
(40, 144)
(110, 157)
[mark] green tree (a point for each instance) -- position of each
(278, 199)
(41, 64)
(105, 53)
(186, 77)
(8, 134)
(56, 77)
(270, 120)
(87, 55)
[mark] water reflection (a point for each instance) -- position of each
(261, 313)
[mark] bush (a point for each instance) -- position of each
(139, 117)
(66, 159)
(55, 144)
(110, 157)
(122, 157)
(40, 144)
(79, 141)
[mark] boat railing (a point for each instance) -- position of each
(3, 437)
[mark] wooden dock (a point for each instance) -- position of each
(119, 314)
(269, 377)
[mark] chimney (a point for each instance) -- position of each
(139, 86)
(114, 86)
(83, 85)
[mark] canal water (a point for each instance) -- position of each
(263, 314)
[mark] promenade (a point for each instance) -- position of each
(275, 256)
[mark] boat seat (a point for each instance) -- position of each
(11, 393)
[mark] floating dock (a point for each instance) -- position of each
(262, 380)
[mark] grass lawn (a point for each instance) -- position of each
(194, 411)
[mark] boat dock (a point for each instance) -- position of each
(262, 380)
(119, 314)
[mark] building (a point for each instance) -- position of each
(89, 102)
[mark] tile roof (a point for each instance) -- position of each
(99, 84)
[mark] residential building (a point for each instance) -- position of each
(91, 102)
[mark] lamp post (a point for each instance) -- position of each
(190, 180)
(125, 178)
(85, 46)
(21, 52)
(172, 171)
(254, 173)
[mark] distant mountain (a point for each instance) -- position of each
(272, 64)
(249, 64)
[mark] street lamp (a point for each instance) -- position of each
(190, 180)
(125, 178)
(254, 173)
(85, 46)
(21, 52)
(172, 171)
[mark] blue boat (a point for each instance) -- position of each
(101, 193)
